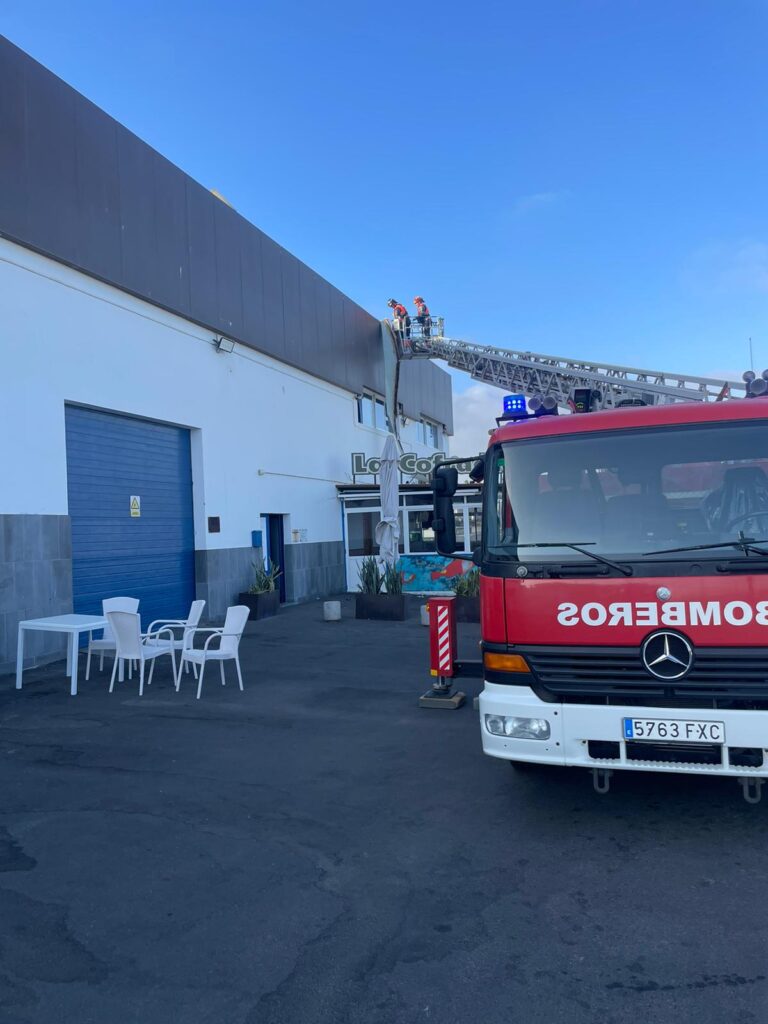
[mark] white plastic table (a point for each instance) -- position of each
(74, 625)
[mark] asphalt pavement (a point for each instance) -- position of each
(318, 849)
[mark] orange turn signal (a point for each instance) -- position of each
(505, 662)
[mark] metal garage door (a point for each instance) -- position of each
(111, 460)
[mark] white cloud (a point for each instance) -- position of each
(535, 201)
(474, 414)
(729, 267)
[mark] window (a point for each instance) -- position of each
(381, 415)
(362, 502)
(461, 544)
(361, 533)
(372, 412)
(630, 494)
(365, 410)
(421, 536)
(360, 529)
(475, 514)
(428, 433)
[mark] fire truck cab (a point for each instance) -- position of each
(624, 589)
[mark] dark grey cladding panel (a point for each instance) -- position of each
(425, 390)
(365, 358)
(98, 192)
(137, 209)
(13, 148)
(324, 321)
(52, 207)
(170, 263)
(201, 233)
(309, 317)
(273, 339)
(289, 276)
(252, 283)
(77, 186)
(229, 289)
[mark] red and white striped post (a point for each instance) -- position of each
(442, 653)
(442, 635)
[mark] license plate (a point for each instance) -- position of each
(675, 729)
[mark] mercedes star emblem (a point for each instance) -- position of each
(667, 655)
(663, 593)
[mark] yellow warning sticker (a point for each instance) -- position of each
(135, 506)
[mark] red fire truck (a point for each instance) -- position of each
(624, 588)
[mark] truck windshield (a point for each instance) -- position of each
(631, 494)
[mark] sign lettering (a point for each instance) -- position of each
(409, 463)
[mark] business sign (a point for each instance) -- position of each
(409, 463)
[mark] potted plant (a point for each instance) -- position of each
(467, 590)
(380, 593)
(262, 597)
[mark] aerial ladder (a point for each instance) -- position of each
(532, 373)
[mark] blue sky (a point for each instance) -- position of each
(580, 177)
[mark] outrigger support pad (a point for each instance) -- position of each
(601, 779)
(442, 695)
(752, 789)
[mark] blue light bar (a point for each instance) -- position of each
(514, 404)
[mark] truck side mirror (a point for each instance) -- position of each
(444, 484)
(445, 481)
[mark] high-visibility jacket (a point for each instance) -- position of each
(422, 309)
(400, 311)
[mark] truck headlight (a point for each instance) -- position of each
(518, 728)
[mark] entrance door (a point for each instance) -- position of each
(129, 484)
(275, 553)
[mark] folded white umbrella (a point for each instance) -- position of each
(388, 528)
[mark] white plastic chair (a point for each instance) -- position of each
(130, 643)
(106, 645)
(228, 636)
(183, 625)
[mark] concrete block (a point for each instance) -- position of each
(62, 582)
(32, 532)
(332, 611)
(218, 600)
(316, 582)
(7, 591)
(50, 538)
(337, 582)
(13, 538)
(65, 537)
(297, 585)
(201, 566)
(23, 585)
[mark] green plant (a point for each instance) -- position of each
(467, 585)
(393, 579)
(370, 576)
(264, 578)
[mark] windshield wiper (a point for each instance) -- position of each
(580, 546)
(745, 544)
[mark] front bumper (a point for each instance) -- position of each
(574, 726)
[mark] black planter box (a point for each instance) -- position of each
(261, 606)
(390, 607)
(467, 609)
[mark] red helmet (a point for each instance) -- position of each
(418, 299)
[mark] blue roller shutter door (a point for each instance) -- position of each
(151, 557)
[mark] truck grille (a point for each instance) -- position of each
(720, 678)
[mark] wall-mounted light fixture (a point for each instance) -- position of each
(224, 344)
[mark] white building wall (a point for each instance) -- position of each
(267, 438)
